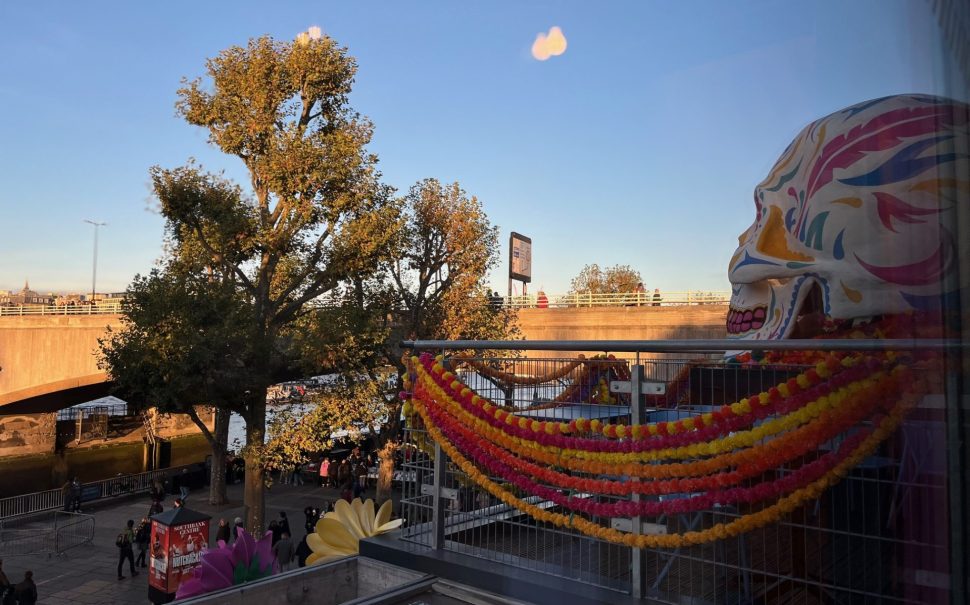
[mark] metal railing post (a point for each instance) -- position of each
(438, 501)
(638, 560)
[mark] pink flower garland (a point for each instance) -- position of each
(707, 433)
(806, 474)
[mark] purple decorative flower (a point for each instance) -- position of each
(246, 560)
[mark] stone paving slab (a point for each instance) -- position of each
(87, 574)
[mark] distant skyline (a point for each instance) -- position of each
(639, 142)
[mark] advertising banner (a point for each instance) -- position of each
(520, 257)
(178, 539)
(185, 546)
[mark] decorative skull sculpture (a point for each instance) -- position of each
(855, 219)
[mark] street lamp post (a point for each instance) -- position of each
(94, 271)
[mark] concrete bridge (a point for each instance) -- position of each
(49, 362)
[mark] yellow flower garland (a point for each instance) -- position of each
(730, 442)
(740, 525)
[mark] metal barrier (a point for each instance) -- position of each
(617, 299)
(880, 535)
(54, 499)
(53, 533)
(113, 308)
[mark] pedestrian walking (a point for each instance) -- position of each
(274, 528)
(302, 551)
(656, 297)
(75, 495)
(285, 524)
(345, 479)
(6, 588)
(26, 592)
(324, 472)
(360, 478)
(310, 519)
(184, 485)
(283, 549)
(296, 478)
(237, 524)
(223, 532)
(125, 542)
(332, 474)
(142, 537)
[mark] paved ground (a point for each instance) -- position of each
(88, 574)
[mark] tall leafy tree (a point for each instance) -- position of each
(181, 345)
(611, 280)
(433, 287)
(313, 216)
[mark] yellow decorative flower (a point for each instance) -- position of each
(338, 534)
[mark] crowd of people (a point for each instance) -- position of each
(349, 475)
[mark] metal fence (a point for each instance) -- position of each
(102, 308)
(56, 499)
(880, 535)
(51, 533)
(616, 299)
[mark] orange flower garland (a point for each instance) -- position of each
(740, 525)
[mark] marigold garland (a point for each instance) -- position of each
(840, 395)
(636, 469)
(745, 523)
(760, 459)
(802, 414)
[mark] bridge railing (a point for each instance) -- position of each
(102, 308)
(618, 299)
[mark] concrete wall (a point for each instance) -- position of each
(42, 350)
(622, 323)
(333, 583)
(27, 434)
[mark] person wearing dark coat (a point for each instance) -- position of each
(303, 551)
(284, 524)
(274, 527)
(310, 522)
(236, 525)
(142, 537)
(223, 532)
(6, 588)
(26, 592)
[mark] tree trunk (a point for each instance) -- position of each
(385, 474)
(255, 488)
(388, 444)
(217, 474)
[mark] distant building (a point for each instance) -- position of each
(25, 297)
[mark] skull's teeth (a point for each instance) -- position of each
(740, 321)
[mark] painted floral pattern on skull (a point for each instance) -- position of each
(856, 219)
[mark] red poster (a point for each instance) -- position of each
(175, 551)
(158, 561)
(185, 546)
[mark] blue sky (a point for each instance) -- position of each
(640, 145)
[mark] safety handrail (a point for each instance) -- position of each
(112, 308)
(53, 499)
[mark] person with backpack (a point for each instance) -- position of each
(142, 538)
(125, 542)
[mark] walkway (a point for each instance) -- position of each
(88, 575)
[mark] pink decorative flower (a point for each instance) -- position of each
(246, 560)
